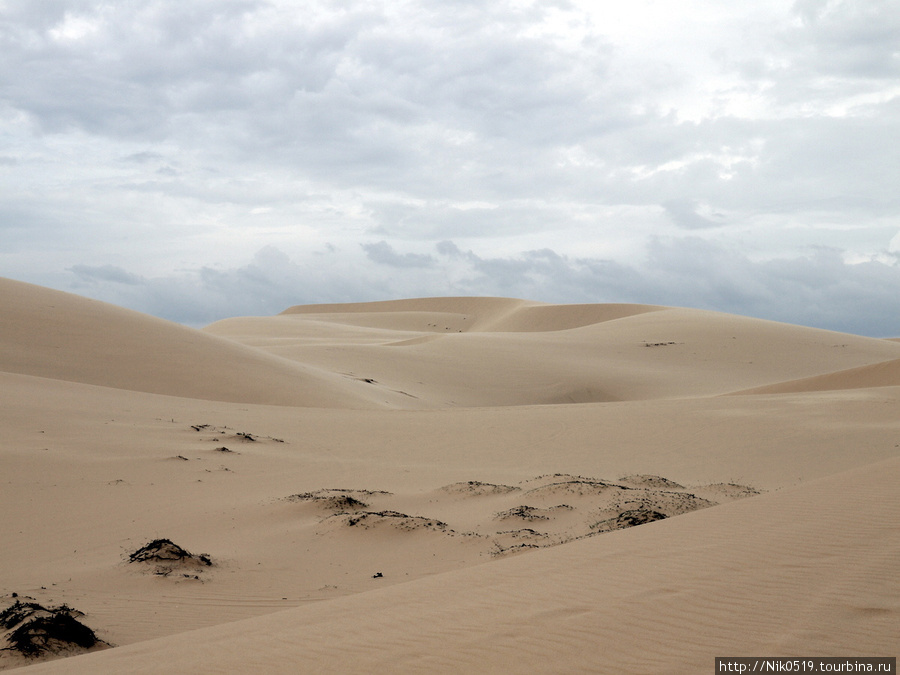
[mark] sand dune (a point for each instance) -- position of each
(443, 485)
(472, 314)
(495, 352)
(885, 374)
(56, 335)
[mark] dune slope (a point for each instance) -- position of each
(724, 586)
(443, 485)
(57, 335)
(447, 352)
(883, 374)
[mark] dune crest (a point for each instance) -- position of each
(482, 313)
(467, 352)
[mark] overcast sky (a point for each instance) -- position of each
(197, 159)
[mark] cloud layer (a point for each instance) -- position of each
(170, 155)
(819, 290)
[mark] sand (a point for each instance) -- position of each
(445, 485)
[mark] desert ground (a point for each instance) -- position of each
(441, 485)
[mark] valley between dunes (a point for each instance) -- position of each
(445, 485)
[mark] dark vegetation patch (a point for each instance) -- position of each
(167, 558)
(523, 533)
(648, 480)
(577, 486)
(523, 512)
(160, 550)
(502, 550)
(733, 490)
(34, 630)
(638, 517)
(560, 478)
(507, 539)
(337, 499)
(476, 487)
(343, 502)
(669, 502)
(400, 521)
(241, 436)
(592, 506)
(628, 518)
(19, 611)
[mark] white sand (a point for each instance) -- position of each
(444, 417)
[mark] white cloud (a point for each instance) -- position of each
(161, 138)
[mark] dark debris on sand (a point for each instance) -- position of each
(401, 521)
(168, 557)
(477, 487)
(629, 518)
(33, 630)
(334, 500)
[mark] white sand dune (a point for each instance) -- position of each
(56, 335)
(884, 374)
(427, 486)
(507, 352)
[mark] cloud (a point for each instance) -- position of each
(383, 253)
(685, 214)
(819, 289)
(269, 283)
(109, 273)
(847, 38)
(556, 150)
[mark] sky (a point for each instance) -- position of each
(200, 159)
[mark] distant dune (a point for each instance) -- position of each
(480, 485)
(501, 352)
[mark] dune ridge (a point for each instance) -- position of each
(444, 485)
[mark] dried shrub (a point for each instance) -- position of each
(38, 630)
(638, 517)
(167, 552)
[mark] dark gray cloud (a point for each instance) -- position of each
(109, 273)
(384, 254)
